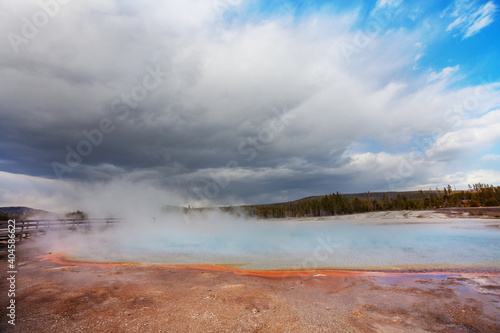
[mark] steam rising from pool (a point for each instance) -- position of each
(354, 243)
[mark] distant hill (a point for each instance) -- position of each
(21, 212)
(378, 196)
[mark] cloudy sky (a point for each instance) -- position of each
(232, 101)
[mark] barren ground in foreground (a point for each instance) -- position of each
(55, 297)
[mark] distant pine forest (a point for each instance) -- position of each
(478, 195)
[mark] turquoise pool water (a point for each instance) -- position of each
(330, 243)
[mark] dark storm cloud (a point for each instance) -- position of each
(171, 95)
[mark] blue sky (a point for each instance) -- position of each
(477, 54)
(469, 45)
(238, 101)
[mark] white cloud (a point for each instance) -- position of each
(470, 19)
(475, 134)
(490, 158)
(444, 74)
(387, 3)
(462, 180)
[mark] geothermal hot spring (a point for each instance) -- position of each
(367, 241)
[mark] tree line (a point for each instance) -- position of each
(478, 195)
